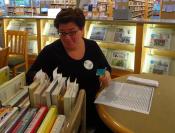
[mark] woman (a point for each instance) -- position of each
(75, 57)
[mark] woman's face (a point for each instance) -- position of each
(70, 35)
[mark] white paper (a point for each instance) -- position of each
(127, 96)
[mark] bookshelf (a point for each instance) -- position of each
(167, 9)
(159, 49)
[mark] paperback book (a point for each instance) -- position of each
(97, 32)
(125, 34)
(121, 59)
(157, 64)
(159, 38)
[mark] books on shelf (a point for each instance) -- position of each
(15, 121)
(30, 27)
(49, 29)
(4, 74)
(14, 24)
(48, 121)
(25, 121)
(8, 118)
(121, 59)
(159, 38)
(59, 122)
(97, 32)
(157, 64)
(32, 47)
(17, 97)
(125, 34)
(114, 33)
(37, 120)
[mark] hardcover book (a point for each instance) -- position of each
(59, 122)
(48, 121)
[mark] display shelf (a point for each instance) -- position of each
(159, 49)
(139, 45)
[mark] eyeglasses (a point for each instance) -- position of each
(71, 33)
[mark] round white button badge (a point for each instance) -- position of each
(88, 64)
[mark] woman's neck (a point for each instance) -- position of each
(78, 52)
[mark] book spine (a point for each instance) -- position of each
(8, 117)
(35, 123)
(48, 120)
(24, 122)
(16, 120)
(59, 122)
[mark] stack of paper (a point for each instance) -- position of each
(127, 96)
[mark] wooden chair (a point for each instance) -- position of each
(17, 43)
(4, 57)
(76, 122)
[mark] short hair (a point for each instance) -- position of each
(67, 15)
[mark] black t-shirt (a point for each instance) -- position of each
(84, 70)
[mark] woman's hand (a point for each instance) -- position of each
(105, 79)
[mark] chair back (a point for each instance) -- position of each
(17, 43)
(77, 119)
(4, 57)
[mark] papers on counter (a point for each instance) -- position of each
(127, 96)
(143, 81)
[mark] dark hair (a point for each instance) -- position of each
(70, 15)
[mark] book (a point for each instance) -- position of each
(59, 122)
(35, 123)
(38, 93)
(125, 34)
(32, 47)
(4, 123)
(14, 24)
(97, 32)
(56, 94)
(17, 97)
(4, 74)
(48, 121)
(157, 64)
(51, 88)
(9, 88)
(31, 89)
(12, 125)
(49, 29)
(24, 122)
(121, 59)
(159, 38)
